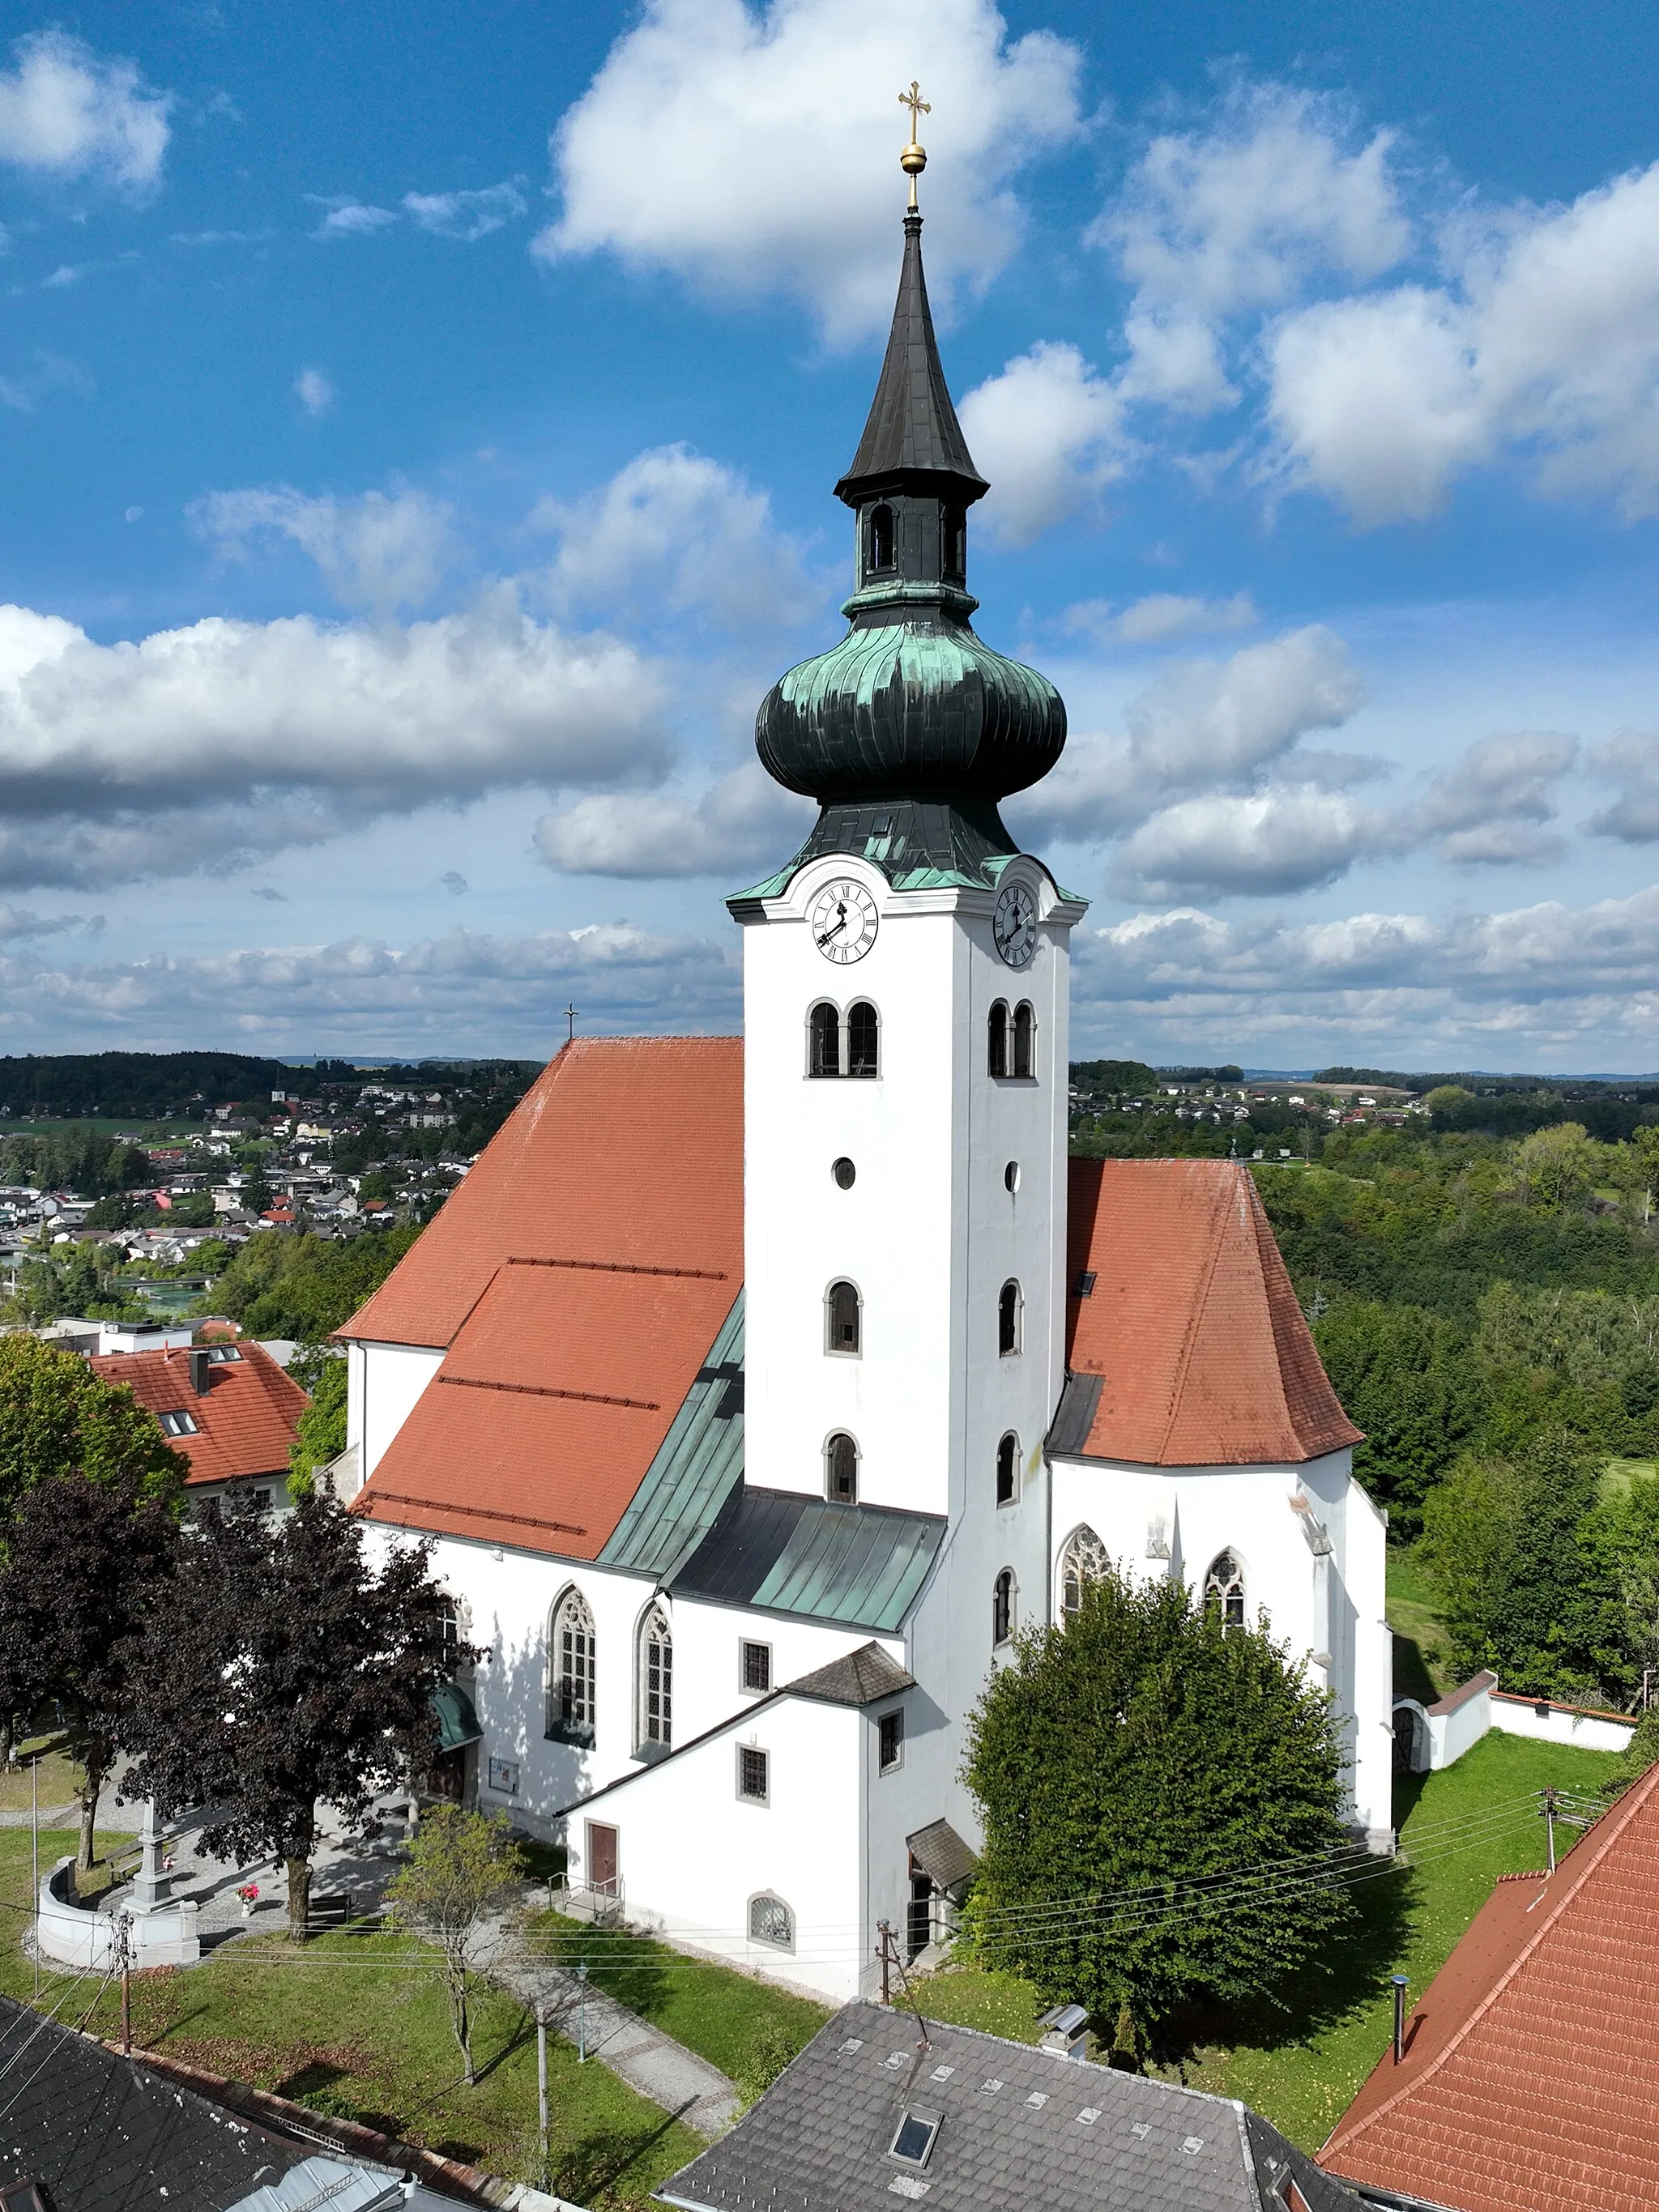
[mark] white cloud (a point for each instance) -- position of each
(1629, 761)
(678, 533)
(743, 821)
(1048, 434)
(1284, 839)
(67, 112)
(200, 747)
(1158, 618)
(708, 85)
(467, 215)
(1492, 806)
(349, 218)
(374, 552)
(314, 390)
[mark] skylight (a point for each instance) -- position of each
(913, 2140)
(177, 1424)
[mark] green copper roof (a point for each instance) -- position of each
(698, 1464)
(779, 1552)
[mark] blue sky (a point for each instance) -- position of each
(417, 429)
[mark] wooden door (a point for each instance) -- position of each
(601, 1859)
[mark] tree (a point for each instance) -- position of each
(88, 1563)
(461, 1867)
(1557, 1166)
(1139, 1747)
(58, 1418)
(1404, 1377)
(284, 1283)
(288, 1671)
(321, 1435)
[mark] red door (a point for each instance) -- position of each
(601, 1859)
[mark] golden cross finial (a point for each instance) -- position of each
(913, 161)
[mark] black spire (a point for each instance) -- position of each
(913, 430)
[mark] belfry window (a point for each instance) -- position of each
(1082, 1564)
(823, 1040)
(996, 1057)
(1009, 1317)
(1007, 1469)
(1002, 1607)
(572, 1706)
(878, 544)
(840, 1469)
(1024, 1039)
(844, 1317)
(656, 1682)
(1223, 1589)
(953, 529)
(863, 1039)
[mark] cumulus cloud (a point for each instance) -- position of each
(378, 552)
(350, 218)
(467, 215)
(1048, 434)
(1629, 761)
(202, 746)
(1284, 839)
(313, 391)
(743, 821)
(674, 531)
(1159, 617)
(66, 111)
(1492, 806)
(703, 82)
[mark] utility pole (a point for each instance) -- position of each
(34, 1856)
(1549, 1825)
(1399, 2018)
(123, 1953)
(582, 2013)
(883, 1954)
(541, 2079)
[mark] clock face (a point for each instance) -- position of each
(843, 922)
(1013, 926)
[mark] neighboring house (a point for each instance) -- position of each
(756, 1393)
(229, 1408)
(873, 2109)
(1530, 2074)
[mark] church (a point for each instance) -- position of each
(755, 1394)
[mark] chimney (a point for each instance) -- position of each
(201, 1372)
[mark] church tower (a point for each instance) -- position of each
(906, 997)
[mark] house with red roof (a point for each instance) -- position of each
(1528, 2077)
(754, 1395)
(226, 1406)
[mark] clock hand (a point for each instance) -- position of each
(835, 928)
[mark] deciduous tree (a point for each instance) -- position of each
(57, 1417)
(461, 1867)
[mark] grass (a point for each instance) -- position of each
(1422, 1647)
(715, 2011)
(356, 2025)
(1618, 1475)
(1300, 2065)
(59, 1779)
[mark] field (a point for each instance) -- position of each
(1422, 1653)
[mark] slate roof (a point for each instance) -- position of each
(103, 2134)
(246, 1419)
(857, 1677)
(1203, 1354)
(778, 1552)
(1017, 2127)
(1531, 2074)
(911, 423)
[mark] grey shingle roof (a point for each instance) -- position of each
(1018, 2128)
(941, 1853)
(857, 1677)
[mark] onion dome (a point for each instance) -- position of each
(910, 731)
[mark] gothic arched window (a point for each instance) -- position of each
(656, 1681)
(573, 1669)
(1002, 1607)
(823, 1040)
(1009, 1316)
(1223, 1589)
(843, 1329)
(1024, 1039)
(770, 1921)
(840, 1469)
(879, 550)
(863, 1039)
(996, 1055)
(1083, 1562)
(1007, 1469)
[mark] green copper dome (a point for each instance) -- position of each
(910, 730)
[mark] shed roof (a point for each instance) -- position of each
(246, 1419)
(1190, 1322)
(1531, 2074)
(783, 1553)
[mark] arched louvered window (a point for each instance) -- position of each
(656, 1681)
(1009, 1320)
(573, 1669)
(996, 1056)
(843, 1328)
(863, 1039)
(953, 527)
(879, 544)
(1024, 1039)
(1223, 1589)
(1007, 1469)
(1083, 1562)
(1003, 1597)
(823, 1040)
(840, 1469)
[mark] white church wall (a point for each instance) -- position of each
(708, 1640)
(388, 1378)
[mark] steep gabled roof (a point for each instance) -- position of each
(246, 1419)
(1191, 1325)
(1531, 2074)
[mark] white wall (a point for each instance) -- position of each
(381, 1388)
(1460, 1721)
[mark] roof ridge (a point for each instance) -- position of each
(1614, 1821)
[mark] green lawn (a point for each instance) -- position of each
(58, 1780)
(1618, 1475)
(356, 2025)
(1301, 2067)
(714, 2010)
(1422, 1648)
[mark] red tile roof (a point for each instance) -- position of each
(1531, 2077)
(577, 1280)
(1192, 1323)
(247, 1419)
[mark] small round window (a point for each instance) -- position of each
(845, 1173)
